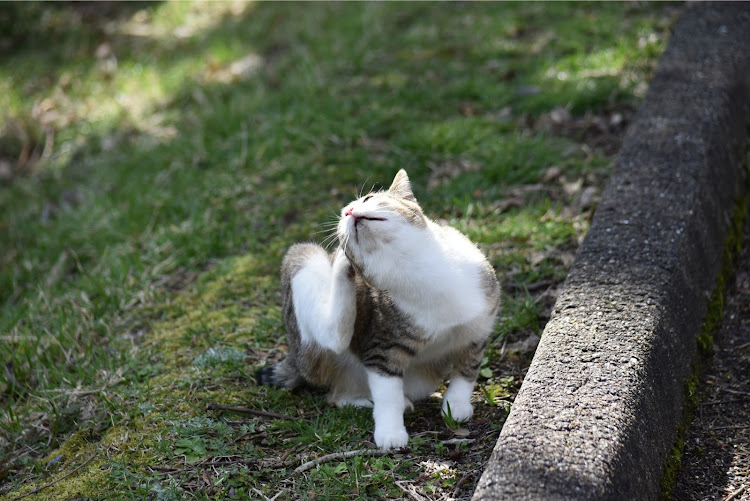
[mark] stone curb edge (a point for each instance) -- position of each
(597, 414)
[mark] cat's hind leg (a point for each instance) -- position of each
(349, 387)
(420, 382)
(345, 401)
(324, 297)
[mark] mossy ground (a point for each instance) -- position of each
(706, 340)
(156, 160)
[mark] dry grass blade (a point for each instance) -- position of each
(339, 455)
(736, 493)
(212, 406)
(408, 488)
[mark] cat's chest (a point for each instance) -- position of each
(440, 306)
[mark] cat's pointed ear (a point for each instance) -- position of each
(401, 187)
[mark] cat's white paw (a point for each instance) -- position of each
(341, 265)
(458, 397)
(353, 401)
(408, 406)
(391, 438)
(459, 411)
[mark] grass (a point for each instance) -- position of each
(156, 160)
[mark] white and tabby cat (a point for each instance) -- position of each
(401, 304)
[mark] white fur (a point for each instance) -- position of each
(458, 397)
(417, 386)
(388, 410)
(433, 273)
(325, 302)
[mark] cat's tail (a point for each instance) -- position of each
(283, 374)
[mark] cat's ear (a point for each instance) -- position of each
(401, 187)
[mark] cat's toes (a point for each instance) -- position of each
(341, 265)
(408, 406)
(459, 411)
(391, 438)
(353, 401)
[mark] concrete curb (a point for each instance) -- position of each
(597, 414)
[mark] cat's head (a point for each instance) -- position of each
(381, 230)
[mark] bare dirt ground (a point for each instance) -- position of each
(716, 460)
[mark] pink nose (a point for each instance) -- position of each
(349, 211)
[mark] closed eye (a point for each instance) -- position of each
(368, 197)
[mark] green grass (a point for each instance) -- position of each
(149, 188)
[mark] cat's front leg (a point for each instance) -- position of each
(388, 410)
(457, 398)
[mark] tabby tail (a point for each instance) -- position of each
(282, 374)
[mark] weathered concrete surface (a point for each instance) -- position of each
(597, 413)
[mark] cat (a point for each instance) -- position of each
(401, 304)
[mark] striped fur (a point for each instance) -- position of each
(402, 304)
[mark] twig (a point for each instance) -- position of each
(263, 496)
(163, 469)
(35, 491)
(722, 402)
(452, 441)
(339, 455)
(212, 406)
(736, 493)
(410, 490)
(730, 427)
(266, 497)
(289, 452)
(735, 392)
(461, 483)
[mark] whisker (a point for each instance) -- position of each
(345, 242)
(327, 226)
(327, 233)
(330, 239)
(332, 222)
(361, 190)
